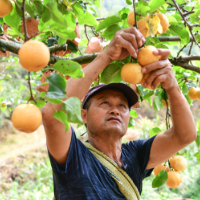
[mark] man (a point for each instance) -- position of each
(77, 172)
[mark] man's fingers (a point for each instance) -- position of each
(131, 38)
(167, 71)
(159, 79)
(156, 65)
(128, 46)
(164, 53)
(139, 37)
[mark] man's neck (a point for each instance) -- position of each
(110, 147)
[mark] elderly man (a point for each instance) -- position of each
(102, 168)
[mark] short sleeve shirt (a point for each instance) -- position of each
(86, 178)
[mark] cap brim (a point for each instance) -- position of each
(128, 92)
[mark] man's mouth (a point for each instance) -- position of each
(114, 119)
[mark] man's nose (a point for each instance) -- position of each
(114, 110)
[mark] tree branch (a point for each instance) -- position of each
(55, 48)
(172, 39)
(185, 65)
(181, 61)
(87, 58)
(186, 22)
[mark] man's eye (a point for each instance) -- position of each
(123, 105)
(105, 102)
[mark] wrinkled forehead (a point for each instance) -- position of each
(108, 93)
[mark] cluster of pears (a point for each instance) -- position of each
(177, 163)
(132, 72)
(194, 93)
(163, 24)
(33, 56)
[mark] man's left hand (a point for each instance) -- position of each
(160, 72)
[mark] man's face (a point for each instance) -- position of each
(107, 114)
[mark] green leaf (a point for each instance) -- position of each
(69, 68)
(57, 85)
(149, 94)
(198, 125)
(197, 140)
(72, 47)
(117, 78)
(172, 20)
(108, 22)
(157, 103)
(131, 123)
(65, 33)
(61, 116)
(78, 9)
(109, 73)
(182, 33)
(154, 131)
(110, 31)
(133, 114)
(39, 104)
(12, 19)
(29, 9)
(129, 2)
(73, 107)
(87, 19)
(42, 94)
(122, 12)
(155, 4)
(198, 156)
(38, 6)
(185, 89)
(160, 179)
(143, 8)
(55, 101)
(18, 8)
(46, 15)
(56, 14)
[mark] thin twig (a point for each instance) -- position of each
(135, 15)
(186, 22)
(181, 50)
(189, 53)
(26, 39)
(86, 33)
(24, 21)
(29, 83)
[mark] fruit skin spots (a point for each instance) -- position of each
(174, 179)
(5, 7)
(131, 18)
(34, 55)
(192, 93)
(161, 167)
(179, 163)
(145, 55)
(131, 73)
(26, 118)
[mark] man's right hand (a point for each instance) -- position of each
(125, 42)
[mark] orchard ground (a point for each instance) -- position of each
(25, 171)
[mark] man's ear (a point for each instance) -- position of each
(84, 115)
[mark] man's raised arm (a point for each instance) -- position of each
(183, 131)
(125, 42)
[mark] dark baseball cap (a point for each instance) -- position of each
(128, 92)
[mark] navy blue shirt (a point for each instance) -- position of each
(86, 178)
